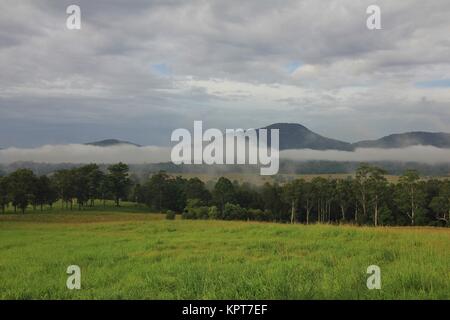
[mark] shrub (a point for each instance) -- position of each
(170, 215)
(213, 212)
(188, 214)
(234, 212)
(202, 212)
(255, 214)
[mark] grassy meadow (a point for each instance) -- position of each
(129, 254)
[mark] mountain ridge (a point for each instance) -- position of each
(110, 143)
(297, 136)
(406, 139)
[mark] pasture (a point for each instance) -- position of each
(129, 254)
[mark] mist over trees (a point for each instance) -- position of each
(365, 199)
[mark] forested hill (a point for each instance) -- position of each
(435, 139)
(111, 143)
(296, 136)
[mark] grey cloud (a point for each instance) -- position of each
(102, 75)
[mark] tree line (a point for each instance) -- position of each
(85, 184)
(365, 199)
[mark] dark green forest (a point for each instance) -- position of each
(365, 199)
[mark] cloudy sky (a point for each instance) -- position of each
(139, 69)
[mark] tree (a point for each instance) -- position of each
(377, 185)
(291, 195)
(441, 203)
(344, 195)
(4, 199)
(162, 192)
(223, 193)
(362, 187)
(247, 196)
(233, 211)
(410, 196)
(64, 181)
(308, 197)
(105, 189)
(81, 188)
(139, 193)
(155, 190)
(196, 189)
(273, 202)
(94, 178)
(44, 192)
(21, 185)
(119, 181)
(323, 196)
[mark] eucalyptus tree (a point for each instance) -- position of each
(344, 195)
(362, 187)
(410, 195)
(377, 186)
(292, 192)
(441, 203)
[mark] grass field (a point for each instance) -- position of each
(143, 256)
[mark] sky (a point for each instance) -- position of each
(139, 69)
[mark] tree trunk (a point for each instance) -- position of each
(307, 211)
(412, 206)
(329, 212)
(292, 211)
(376, 212)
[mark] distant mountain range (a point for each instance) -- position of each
(402, 140)
(110, 143)
(296, 136)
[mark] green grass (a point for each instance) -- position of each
(143, 256)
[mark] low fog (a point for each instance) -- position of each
(78, 153)
(422, 154)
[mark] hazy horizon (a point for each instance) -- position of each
(80, 153)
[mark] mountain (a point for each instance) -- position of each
(296, 136)
(402, 140)
(110, 143)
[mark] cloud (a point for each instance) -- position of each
(151, 66)
(421, 154)
(77, 153)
